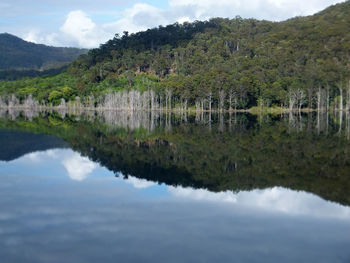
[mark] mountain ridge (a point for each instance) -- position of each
(17, 53)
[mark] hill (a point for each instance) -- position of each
(221, 64)
(17, 54)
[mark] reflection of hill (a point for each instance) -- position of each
(237, 162)
(15, 144)
(247, 156)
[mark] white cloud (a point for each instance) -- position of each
(181, 20)
(36, 36)
(79, 29)
(139, 17)
(275, 199)
(261, 9)
(78, 167)
(33, 36)
(139, 183)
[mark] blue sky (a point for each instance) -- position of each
(59, 206)
(87, 24)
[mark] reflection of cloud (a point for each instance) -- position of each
(41, 156)
(139, 183)
(78, 167)
(274, 199)
(202, 194)
(34, 157)
(52, 153)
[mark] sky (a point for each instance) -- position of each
(87, 24)
(59, 206)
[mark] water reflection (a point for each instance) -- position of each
(78, 167)
(184, 192)
(237, 152)
(318, 122)
(276, 199)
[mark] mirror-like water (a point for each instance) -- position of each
(152, 187)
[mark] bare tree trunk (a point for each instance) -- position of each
(340, 121)
(327, 101)
(318, 122)
(170, 100)
(347, 125)
(197, 105)
(168, 94)
(348, 98)
(209, 100)
(152, 100)
(319, 99)
(341, 98)
(221, 100)
(327, 122)
(309, 91)
(291, 103)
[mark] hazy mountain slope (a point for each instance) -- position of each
(15, 53)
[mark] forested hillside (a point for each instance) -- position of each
(17, 54)
(217, 64)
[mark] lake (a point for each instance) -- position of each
(160, 187)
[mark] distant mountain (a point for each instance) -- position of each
(15, 53)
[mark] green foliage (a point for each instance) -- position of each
(248, 60)
(67, 93)
(55, 97)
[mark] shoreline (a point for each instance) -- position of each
(253, 110)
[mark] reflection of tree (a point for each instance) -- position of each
(238, 152)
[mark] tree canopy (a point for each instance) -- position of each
(226, 63)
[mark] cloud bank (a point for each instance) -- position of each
(276, 199)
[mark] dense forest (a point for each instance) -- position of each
(220, 64)
(19, 58)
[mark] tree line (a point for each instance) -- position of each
(220, 64)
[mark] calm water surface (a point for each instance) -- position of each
(112, 187)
